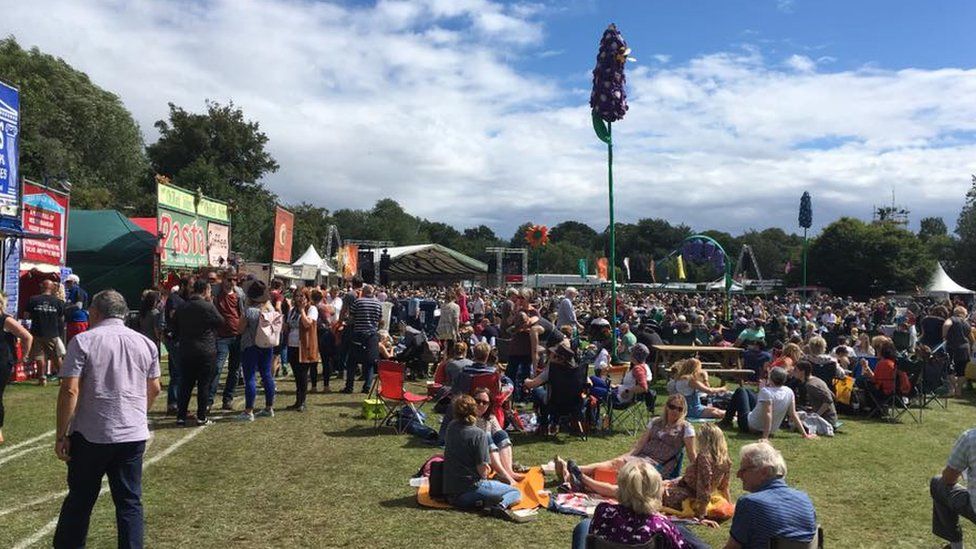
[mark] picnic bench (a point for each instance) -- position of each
(728, 356)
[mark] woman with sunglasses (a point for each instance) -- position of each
(661, 445)
(500, 446)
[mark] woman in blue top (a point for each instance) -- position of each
(692, 383)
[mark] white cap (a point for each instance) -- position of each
(293, 287)
(72, 278)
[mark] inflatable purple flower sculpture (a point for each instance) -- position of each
(609, 98)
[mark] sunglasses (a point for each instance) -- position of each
(485, 402)
(675, 408)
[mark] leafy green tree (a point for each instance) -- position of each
(932, 226)
(855, 258)
(311, 227)
(73, 130)
(576, 233)
(772, 248)
(223, 155)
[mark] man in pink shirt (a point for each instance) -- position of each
(109, 381)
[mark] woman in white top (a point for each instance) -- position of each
(765, 413)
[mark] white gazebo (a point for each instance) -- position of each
(310, 266)
(943, 286)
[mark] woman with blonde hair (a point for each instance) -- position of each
(635, 520)
(500, 445)
(467, 463)
(863, 346)
(710, 471)
(660, 446)
(11, 326)
(692, 383)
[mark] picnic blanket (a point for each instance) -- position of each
(719, 509)
(531, 487)
(577, 503)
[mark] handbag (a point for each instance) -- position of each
(971, 371)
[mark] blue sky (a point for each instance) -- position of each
(475, 111)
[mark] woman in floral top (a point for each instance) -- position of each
(709, 472)
(635, 520)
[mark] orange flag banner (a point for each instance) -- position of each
(601, 268)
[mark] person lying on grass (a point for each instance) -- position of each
(710, 471)
(765, 413)
(500, 445)
(660, 445)
(467, 464)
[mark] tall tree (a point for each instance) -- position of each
(311, 227)
(73, 130)
(881, 257)
(576, 233)
(223, 154)
(932, 226)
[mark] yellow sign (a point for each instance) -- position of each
(175, 198)
(212, 209)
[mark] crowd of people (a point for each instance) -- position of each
(222, 331)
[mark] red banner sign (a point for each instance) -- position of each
(45, 212)
(284, 225)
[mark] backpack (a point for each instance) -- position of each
(269, 329)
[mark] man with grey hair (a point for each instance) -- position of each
(109, 381)
(565, 313)
(772, 509)
(365, 314)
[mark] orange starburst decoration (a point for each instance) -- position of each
(537, 235)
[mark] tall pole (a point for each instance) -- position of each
(804, 264)
(613, 245)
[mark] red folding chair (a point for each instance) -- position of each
(390, 377)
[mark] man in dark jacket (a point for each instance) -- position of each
(196, 323)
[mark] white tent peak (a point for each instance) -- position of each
(310, 257)
(942, 284)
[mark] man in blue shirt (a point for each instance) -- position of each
(76, 307)
(772, 509)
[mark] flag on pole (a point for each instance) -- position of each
(651, 266)
(627, 267)
(581, 265)
(601, 268)
(788, 267)
(681, 269)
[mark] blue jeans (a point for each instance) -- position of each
(743, 401)
(90, 462)
(489, 493)
(257, 359)
(583, 528)
(175, 374)
(517, 370)
(364, 349)
(229, 351)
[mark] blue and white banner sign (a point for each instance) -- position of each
(9, 150)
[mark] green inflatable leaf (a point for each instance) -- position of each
(600, 127)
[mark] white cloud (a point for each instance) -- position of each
(420, 101)
(786, 6)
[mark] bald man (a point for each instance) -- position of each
(46, 313)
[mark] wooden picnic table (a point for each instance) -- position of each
(668, 354)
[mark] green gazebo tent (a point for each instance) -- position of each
(106, 250)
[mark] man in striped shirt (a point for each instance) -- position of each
(364, 317)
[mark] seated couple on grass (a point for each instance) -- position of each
(467, 462)
(661, 446)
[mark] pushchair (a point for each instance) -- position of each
(416, 352)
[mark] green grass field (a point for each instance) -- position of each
(325, 478)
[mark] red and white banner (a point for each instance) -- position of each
(283, 227)
(45, 212)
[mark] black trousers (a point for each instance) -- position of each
(198, 371)
(6, 370)
(122, 462)
(301, 375)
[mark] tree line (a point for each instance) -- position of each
(74, 130)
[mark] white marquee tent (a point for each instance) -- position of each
(942, 285)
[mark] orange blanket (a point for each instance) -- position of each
(531, 485)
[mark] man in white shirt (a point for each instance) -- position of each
(949, 499)
(565, 313)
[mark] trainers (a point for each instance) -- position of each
(575, 476)
(202, 422)
(267, 412)
(181, 423)
(246, 416)
(228, 406)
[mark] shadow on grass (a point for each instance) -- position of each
(406, 502)
(353, 405)
(360, 432)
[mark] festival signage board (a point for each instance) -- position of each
(45, 212)
(11, 275)
(193, 231)
(9, 150)
(284, 227)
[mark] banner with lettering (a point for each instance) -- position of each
(9, 150)
(45, 212)
(193, 231)
(284, 225)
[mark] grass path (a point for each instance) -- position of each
(325, 478)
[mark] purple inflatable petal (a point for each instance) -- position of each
(609, 97)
